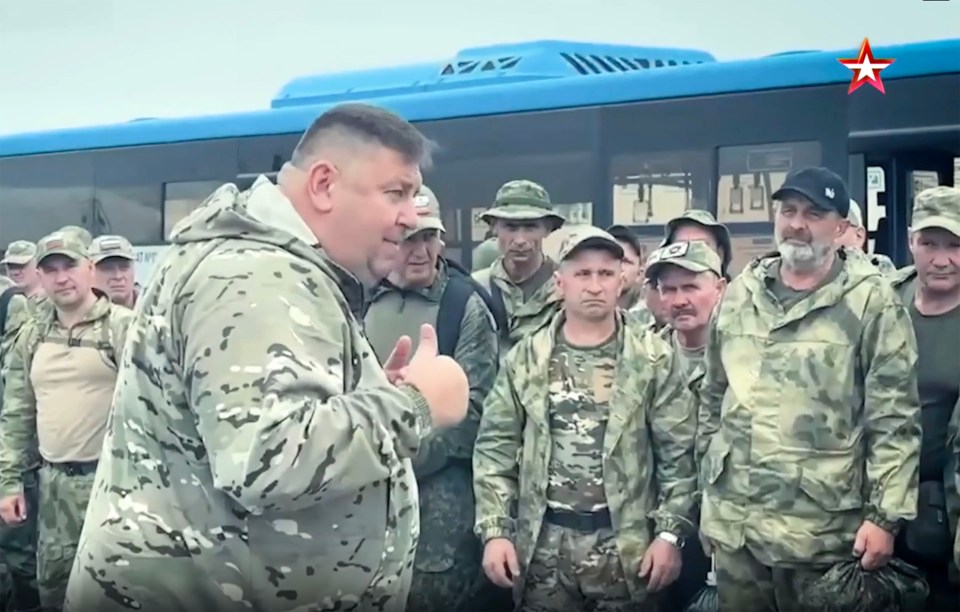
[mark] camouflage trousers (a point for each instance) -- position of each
(18, 550)
(743, 583)
(62, 508)
(575, 571)
(446, 591)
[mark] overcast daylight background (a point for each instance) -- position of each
(77, 62)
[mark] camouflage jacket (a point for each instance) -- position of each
(523, 317)
(883, 263)
(443, 465)
(18, 311)
(809, 419)
(18, 421)
(257, 458)
(649, 474)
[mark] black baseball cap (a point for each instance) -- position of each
(821, 186)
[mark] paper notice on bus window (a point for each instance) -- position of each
(923, 179)
(147, 258)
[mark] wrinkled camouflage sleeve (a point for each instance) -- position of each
(711, 388)
(673, 432)
(477, 353)
(496, 454)
(18, 419)
(120, 318)
(265, 358)
(891, 410)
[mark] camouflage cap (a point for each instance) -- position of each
(706, 219)
(428, 212)
(937, 207)
(589, 236)
(19, 253)
(695, 256)
(522, 201)
(82, 233)
(105, 247)
(63, 243)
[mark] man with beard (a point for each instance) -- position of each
(589, 430)
(632, 266)
(809, 429)
(521, 279)
(931, 290)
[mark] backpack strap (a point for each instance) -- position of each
(493, 296)
(453, 305)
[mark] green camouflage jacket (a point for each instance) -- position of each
(257, 457)
(809, 419)
(650, 477)
(18, 420)
(524, 317)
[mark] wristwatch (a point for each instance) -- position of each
(671, 538)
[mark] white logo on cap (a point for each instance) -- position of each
(830, 193)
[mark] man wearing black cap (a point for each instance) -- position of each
(809, 428)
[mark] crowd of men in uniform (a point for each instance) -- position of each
(311, 407)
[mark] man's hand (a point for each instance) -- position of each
(660, 565)
(395, 366)
(13, 509)
(874, 546)
(440, 379)
(500, 562)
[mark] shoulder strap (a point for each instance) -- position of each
(453, 305)
(5, 298)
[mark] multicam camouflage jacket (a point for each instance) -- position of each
(649, 474)
(809, 419)
(257, 458)
(104, 328)
(523, 316)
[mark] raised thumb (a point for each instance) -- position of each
(427, 347)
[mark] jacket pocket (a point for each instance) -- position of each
(714, 461)
(833, 482)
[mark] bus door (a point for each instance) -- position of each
(892, 181)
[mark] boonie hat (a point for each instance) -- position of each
(937, 207)
(19, 253)
(695, 256)
(589, 236)
(522, 200)
(105, 247)
(62, 243)
(821, 186)
(428, 212)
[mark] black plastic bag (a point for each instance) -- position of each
(707, 599)
(847, 587)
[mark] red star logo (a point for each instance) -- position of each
(866, 68)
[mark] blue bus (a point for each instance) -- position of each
(617, 134)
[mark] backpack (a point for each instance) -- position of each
(453, 305)
(5, 298)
